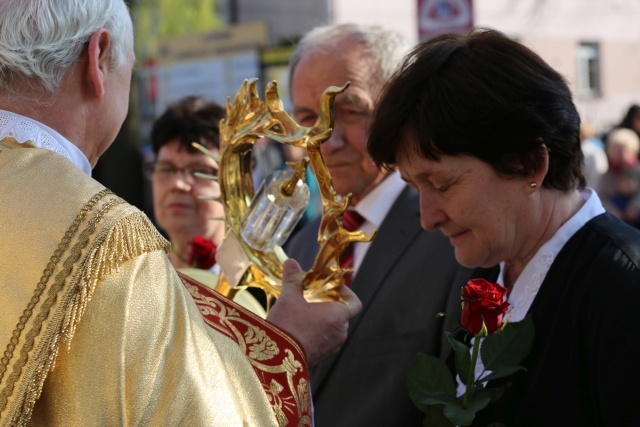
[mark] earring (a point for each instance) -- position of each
(533, 184)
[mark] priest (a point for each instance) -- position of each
(96, 326)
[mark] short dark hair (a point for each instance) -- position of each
(483, 95)
(632, 112)
(191, 119)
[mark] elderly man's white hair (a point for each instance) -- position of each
(41, 39)
(384, 48)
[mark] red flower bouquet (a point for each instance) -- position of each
(203, 253)
(504, 346)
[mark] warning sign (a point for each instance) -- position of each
(444, 16)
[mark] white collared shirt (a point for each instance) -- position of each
(374, 207)
(24, 129)
(529, 281)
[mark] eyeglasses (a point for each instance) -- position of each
(163, 171)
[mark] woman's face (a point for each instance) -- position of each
(488, 218)
(620, 153)
(176, 195)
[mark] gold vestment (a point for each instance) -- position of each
(96, 327)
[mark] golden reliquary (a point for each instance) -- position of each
(249, 119)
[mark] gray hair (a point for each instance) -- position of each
(40, 40)
(384, 47)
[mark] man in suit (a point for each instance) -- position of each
(405, 276)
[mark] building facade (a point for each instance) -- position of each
(595, 44)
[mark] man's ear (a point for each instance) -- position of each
(99, 53)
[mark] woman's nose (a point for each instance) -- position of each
(432, 217)
(183, 179)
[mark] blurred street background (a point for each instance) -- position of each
(208, 47)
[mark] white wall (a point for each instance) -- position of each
(555, 28)
(399, 15)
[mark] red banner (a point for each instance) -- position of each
(444, 16)
(277, 359)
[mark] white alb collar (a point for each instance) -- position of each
(24, 129)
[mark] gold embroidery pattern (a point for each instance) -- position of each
(35, 386)
(276, 358)
(39, 290)
(122, 236)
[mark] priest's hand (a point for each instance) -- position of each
(320, 327)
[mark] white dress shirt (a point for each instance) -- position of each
(374, 208)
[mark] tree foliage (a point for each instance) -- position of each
(155, 19)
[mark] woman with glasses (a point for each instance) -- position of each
(177, 190)
(179, 210)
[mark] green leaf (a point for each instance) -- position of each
(430, 382)
(479, 400)
(501, 371)
(464, 416)
(493, 394)
(434, 417)
(508, 347)
(430, 374)
(463, 356)
(424, 399)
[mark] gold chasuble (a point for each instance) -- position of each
(97, 328)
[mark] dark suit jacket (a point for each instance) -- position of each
(407, 277)
(583, 369)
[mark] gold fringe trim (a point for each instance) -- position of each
(129, 238)
(35, 299)
(122, 237)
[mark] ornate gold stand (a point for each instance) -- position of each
(249, 119)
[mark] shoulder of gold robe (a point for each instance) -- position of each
(63, 232)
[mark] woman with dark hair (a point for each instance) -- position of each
(177, 190)
(181, 199)
(487, 132)
(631, 119)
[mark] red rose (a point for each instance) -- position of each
(483, 301)
(203, 253)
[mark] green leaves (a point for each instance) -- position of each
(463, 357)
(432, 388)
(434, 417)
(462, 416)
(430, 382)
(503, 352)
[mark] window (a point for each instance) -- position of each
(589, 69)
